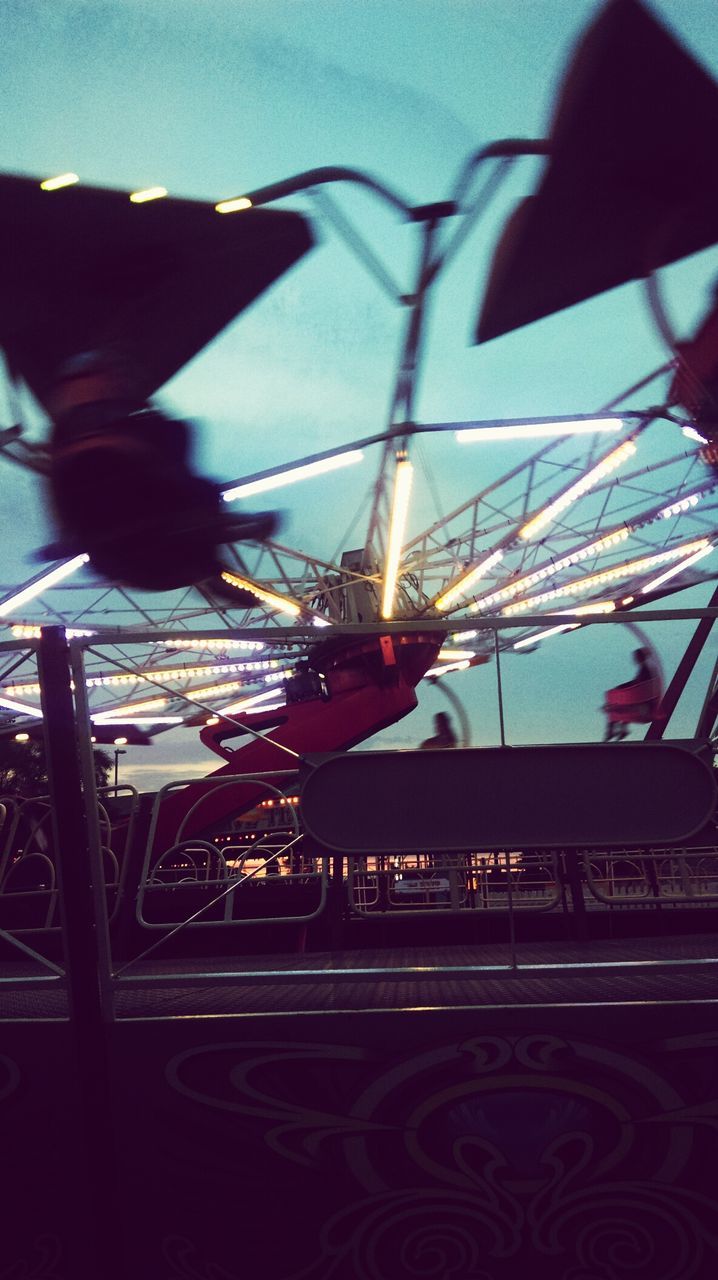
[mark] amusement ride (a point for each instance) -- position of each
(200, 616)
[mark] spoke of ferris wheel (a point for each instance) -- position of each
(428, 545)
(456, 598)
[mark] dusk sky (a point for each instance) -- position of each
(211, 98)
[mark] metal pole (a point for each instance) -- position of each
(96, 1208)
(92, 821)
(683, 672)
(499, 689)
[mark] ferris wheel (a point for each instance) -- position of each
(603, 510)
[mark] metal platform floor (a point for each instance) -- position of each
(610, 972)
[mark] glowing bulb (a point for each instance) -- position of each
(544, 635)
(292, 474)
(577, 490)
(21, 708)
(593, 580)
(399, 511)
(22, 737)
(42, 583)
(535, 430)
(692, 434)
(676, 569)
(131, 709)
(62, 180)
(150, 193)
(281, 603)
(463, 584)
(233, 206)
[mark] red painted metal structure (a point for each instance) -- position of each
(366, 686)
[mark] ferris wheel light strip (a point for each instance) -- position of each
(600, 606)
(281, 603)
(536, 430)
(137, 720)
(463, 584)
(293, 474)
(606, 575)
(449, 666)
(680, 505)
(545, 635)
(24, 631)
(20, 708)
(149, 193)
(549, 570)
(233, 206)
(41, 584)
(397, 524)
(597, 606)
(131, 708)
(692, 434)
(219, 645)
(245, 704)
(577, 490)
(167, 675)
(62, 180)
(676, 569)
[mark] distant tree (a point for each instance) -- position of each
(23, 768)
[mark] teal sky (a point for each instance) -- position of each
(213, 97)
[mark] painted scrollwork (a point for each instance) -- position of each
(42, 1264)
(469, 1160)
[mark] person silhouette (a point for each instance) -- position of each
(444, 735)
(645, 684)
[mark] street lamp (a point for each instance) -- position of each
(117, 753)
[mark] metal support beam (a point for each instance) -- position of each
(96, 1200)
(683, 672)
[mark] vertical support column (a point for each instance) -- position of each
(683, 673)
(96, 1203)
(499, 689)
(92, 824)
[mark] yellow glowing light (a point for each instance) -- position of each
(20, 707)
(577, 490)
(22, 737)
(24, 631)
(397, 524)
(292, 474)
(544, 635)
(130, 709)
(41, 584)
(549, 570)
(594, 580)
(120, 742)
(536, 430)
(463, 584)
(598, 606)
(149, 193)
(281, 603)
(212, 645)
(246, 704)
(676, 569)
(233, 206)
(62, 180)
(449, 666)
(454, 655)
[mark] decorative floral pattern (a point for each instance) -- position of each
(42, 1265)
(476, 1160)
